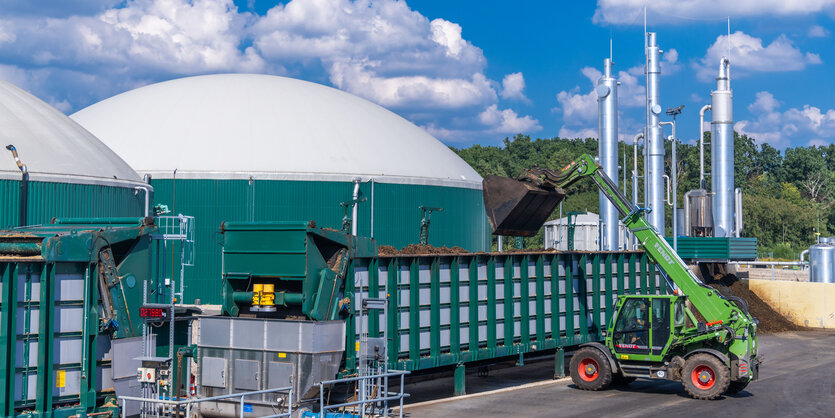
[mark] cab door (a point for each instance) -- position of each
(660, 324)
(632, 328)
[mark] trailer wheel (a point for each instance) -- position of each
(705, 377)
(590, 369)
(735, 387)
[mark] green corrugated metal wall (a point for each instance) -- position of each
(396, 215)
(66, 200)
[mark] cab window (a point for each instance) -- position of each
(632, 327)
(679, 313)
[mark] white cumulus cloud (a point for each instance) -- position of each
(764, 103)
(817, 31)
(782, 128)
(748, 54)
(513, 87)
(75, 52)
(630, 12)
(506, 121)
(359, 77)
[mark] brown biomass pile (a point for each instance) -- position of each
(770, 320)
(387, 250)
(419, 249)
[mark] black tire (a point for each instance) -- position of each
(590, 369)
(736, 387)
(705, 376)
(621, 380)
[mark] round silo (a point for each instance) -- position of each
(822, 263)
(70, 172)
(245, 147)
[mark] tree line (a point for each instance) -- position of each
(787, 196)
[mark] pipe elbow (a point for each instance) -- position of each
(704, 110)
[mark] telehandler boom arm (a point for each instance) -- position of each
(520, 207)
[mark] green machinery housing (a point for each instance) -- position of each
(444, 309)
(70, 296)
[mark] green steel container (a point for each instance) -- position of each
(395, 220)
(716, 249)
(442, 309)
(59, 355)
(450, 309)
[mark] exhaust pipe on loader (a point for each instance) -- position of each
(518, 207)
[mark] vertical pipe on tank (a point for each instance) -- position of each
(722, 153)
(702, 184)
(607, 100)
(24, 186)
(356, 196)
(654, 163)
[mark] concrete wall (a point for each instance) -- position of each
(776, 274)
(804, 303)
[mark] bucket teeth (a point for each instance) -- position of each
(518, 208)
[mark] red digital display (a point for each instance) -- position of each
(153, 312)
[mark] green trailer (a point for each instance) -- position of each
(443, 309)
(69, 295)
(71, 322)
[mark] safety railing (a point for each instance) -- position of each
(773, 266)
(176, 407)
(379, 401)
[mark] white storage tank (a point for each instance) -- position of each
(586, 233)
(822, 263)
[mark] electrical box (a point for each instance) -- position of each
(146, 374)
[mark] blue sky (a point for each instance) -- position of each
(467, 71)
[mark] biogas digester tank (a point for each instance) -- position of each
(248, 147)
(70, 172)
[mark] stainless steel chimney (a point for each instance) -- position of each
(654, 158)
(722, 153)
(607, 105)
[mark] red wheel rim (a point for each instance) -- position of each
(588, 369)
(703, 377)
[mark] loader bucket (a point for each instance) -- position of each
(518, 208)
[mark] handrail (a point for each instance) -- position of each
(188, 402)
(397, 397)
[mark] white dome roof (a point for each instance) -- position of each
(241, 125)
(53, 147)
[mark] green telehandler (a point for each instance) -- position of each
(649, 336)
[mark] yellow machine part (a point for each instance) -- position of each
(268, 295)
(257, 289)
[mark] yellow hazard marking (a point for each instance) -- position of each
(60, 378)
(282, 355)
(357, 348)
(624, 357)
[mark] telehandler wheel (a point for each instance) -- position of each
(735, 387)
(705, 376)
(590, 369)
